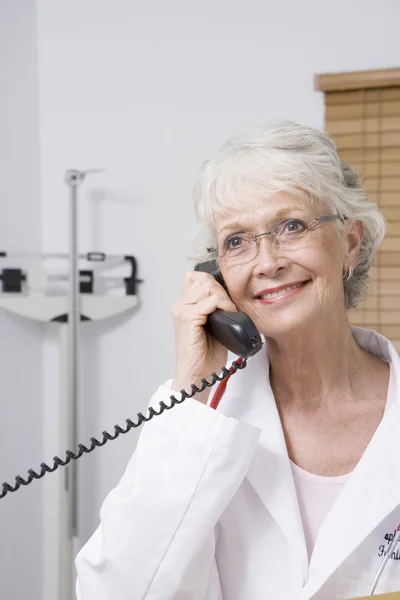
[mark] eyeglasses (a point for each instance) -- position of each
(241, 248)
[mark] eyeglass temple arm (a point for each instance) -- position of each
(331, 218)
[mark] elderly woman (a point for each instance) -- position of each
(290, 490)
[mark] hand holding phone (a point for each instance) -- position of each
(236, 331)
(207, 324)
(198, 352)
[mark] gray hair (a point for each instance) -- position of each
(301, 161)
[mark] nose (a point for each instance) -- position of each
(269, 259)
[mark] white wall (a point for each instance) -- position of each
(148, 90)
(21, 419)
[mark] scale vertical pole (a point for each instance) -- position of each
(73, 179)
(70, 400)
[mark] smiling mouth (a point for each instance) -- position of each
(281, 292)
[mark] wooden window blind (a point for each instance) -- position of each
(362, 114)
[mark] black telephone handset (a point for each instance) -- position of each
(234, 330)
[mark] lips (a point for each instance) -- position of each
(279, 290)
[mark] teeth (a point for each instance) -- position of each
(281, 292)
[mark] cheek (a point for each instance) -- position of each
(323, 259)
(237, 285)
(325, 265)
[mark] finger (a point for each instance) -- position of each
(200, 288)
(198, 293)
(195, 278)
(208, 305)
(197, 313)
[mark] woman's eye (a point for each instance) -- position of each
(293, 226)
(235, 241)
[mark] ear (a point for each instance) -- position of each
(354, 234)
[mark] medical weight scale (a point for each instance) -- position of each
(25, 293)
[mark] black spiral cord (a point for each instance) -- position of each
(94, 443)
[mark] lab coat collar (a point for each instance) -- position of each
(371, 493)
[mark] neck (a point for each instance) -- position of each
(319, 365)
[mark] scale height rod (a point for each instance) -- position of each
(73, 179)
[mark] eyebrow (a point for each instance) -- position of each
(282, 212)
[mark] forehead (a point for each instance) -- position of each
(267, 210)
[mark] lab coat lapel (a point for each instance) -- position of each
(249, 398)
(371, 494)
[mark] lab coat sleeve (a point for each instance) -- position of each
(156, 539)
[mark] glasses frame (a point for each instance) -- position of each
(314, 223)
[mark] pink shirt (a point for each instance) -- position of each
(317, 494)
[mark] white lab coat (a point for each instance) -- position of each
(207, 508)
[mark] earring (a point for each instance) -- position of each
(349, 274)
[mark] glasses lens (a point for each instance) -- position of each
(290, 231)
(239, 248)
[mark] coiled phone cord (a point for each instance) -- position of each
(94, 443)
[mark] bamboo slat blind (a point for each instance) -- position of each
(365, 124)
